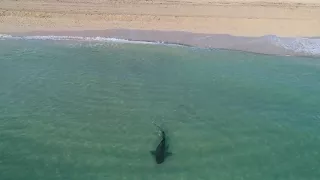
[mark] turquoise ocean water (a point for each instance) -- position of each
(84, 110)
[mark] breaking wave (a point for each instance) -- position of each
(74, 38)
(307, 46)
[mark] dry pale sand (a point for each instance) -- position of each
(235, 17)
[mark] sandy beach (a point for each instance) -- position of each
(234, 17)
(285, 27)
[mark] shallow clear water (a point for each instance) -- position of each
(71, 110)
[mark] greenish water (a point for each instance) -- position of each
(73, 110)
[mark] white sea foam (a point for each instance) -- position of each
(75, 38)
(5, 36)
(308, 46)
(303, 45)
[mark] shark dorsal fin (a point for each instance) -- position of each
(153, 153)
(168, 154)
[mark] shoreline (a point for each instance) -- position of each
(269, 44)
(276, 27)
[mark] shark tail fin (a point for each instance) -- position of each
(160, 128)
(162, 132)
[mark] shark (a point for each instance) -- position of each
(161, 152)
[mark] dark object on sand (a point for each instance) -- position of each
(161, 151)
